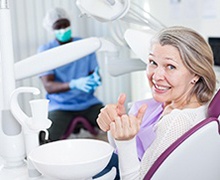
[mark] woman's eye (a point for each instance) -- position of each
(152, 62)
(171, 67)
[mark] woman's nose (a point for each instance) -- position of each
(158, 73)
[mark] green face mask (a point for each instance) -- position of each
(63, 35)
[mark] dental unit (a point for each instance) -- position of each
(12, 149)
(18, 132)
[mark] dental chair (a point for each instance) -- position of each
(195, 155)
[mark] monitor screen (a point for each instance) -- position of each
(215, 45)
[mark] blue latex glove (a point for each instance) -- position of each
(96, 78)
(85, 84)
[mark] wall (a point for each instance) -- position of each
(202, 15)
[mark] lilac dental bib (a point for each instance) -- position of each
(146, 135)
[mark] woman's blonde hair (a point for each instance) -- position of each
(196, 55)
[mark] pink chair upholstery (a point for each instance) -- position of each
(85, 124)
(195, 155)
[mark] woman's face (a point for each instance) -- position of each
(169, 79)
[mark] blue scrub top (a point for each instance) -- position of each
(73, 100)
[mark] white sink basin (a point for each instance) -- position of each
(71, 159)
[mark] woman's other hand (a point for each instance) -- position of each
(127, 126)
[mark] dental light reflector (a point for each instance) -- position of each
(105, 10)
(55, 57)
(139, 42)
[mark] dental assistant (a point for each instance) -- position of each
(69, 88)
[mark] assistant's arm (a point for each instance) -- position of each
(52, 86)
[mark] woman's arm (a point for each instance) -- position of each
(124, 130)
(129, 164)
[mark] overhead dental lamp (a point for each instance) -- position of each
(112, 10)
(104, 10)
(135, 16)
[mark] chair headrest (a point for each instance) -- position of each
(214, 106)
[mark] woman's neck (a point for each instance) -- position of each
(169, 106)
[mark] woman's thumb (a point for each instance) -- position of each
(141, 112)
(121, 104)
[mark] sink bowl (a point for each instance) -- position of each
(72, 158)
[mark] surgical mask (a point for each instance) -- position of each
(63, 35)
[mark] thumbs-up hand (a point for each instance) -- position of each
(110, 112)
(127, 126)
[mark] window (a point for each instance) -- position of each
(215, 45)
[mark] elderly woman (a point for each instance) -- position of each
(182, 80)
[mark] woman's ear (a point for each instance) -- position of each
(195, 79)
